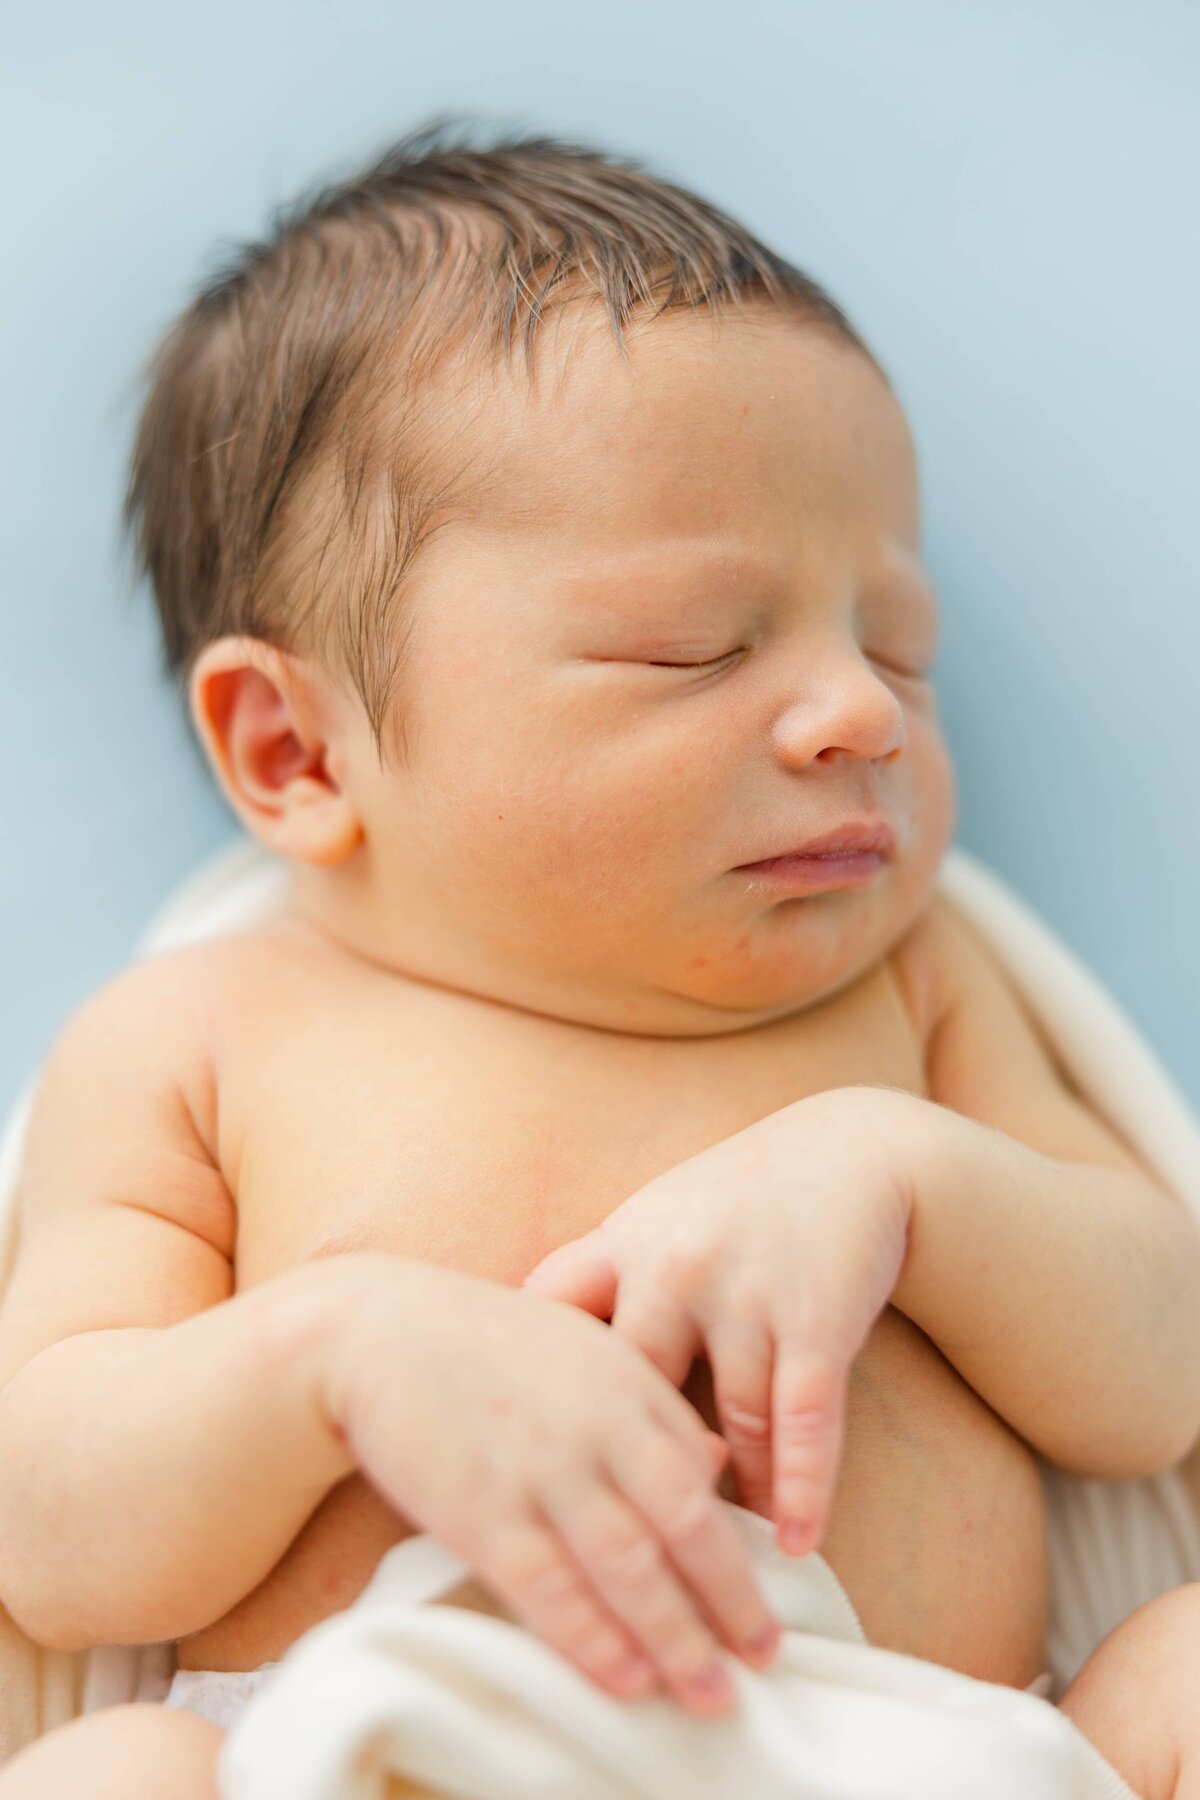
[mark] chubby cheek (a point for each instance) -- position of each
(750, 954)
(548, 838)
(615, 858)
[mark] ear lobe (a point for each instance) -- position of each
(259, 722)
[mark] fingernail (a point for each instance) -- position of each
(712, 1686)
(763, 1645)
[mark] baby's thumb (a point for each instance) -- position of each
(579, 1273)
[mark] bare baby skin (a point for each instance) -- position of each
(686, 628)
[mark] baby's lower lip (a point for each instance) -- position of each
(815, 873)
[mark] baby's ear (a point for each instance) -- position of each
(266, 724)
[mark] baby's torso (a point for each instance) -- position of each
(359, 1110)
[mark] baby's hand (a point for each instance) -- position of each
(776, 1249)
(562, 1466)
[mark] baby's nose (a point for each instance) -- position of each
(857, 717)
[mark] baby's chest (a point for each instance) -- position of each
(481, 1139)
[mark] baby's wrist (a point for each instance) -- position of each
(307, 1326)
(896, 1131)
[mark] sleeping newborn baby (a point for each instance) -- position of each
(615, 1123)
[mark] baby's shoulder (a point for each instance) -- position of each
(153, 1027)
(170, 996)
(192, 982)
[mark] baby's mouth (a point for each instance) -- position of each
(851, 855)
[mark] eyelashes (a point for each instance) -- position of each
(713, 662)
(730, 656)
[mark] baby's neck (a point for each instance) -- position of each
(348, 919)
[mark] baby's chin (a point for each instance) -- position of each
(787, 956)
(714, 1009)
(741, 1004)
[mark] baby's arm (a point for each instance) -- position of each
(1055, 1273)
(163, 1439)
(1000, 1215)
(151, 1476)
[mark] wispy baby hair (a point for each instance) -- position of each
(294, 452)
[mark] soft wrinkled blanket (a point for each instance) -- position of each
(1113, 1545)
(474, 1706)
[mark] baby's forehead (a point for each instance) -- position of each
(719, 445)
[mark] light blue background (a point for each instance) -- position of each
(1002, 196)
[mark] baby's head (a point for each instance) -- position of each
(519, 660)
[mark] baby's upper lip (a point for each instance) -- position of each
(855, 835)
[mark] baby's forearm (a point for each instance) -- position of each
(153, 1477)
(1067, 1294)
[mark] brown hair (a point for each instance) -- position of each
(277, 377)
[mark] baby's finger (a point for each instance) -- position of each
(650, 1316)
(808, 1408)
(580, 1273)
(741, 1352)
(685, 1423)
(539, 1577)
(617, 1549)
(700, 1537)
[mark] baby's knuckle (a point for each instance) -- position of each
(634, 1563)
(747, 1422)
(806, 1424)
(528, 1567)
(541, 1442)
(581, 1631)
(751, 1292)
(552, 1584)
(691, 1521)
(583, 1634)
(683, 1267)
(679, 1418)
(503, 1507)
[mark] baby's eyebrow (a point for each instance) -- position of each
(675, 572)
(667, 572)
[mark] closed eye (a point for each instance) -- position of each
(713, 662)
